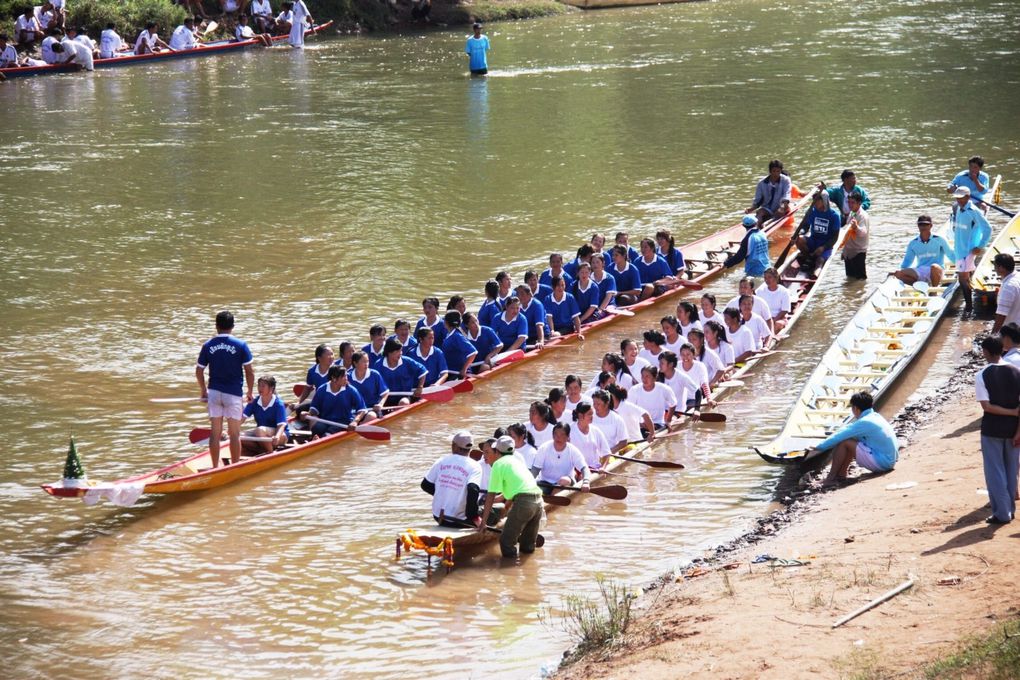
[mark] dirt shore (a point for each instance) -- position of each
(728, 617)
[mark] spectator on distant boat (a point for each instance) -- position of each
(623, 239)
(555, 269)
(285, 19)
(925, 256)
(244, 32)
(476, 47)
(820, 228)
(971, 235)
(454, 482)
(1007, 308)
(148, 41)
(655, 273)
(76, 53)
(840, 195)
(183, 37)
(262, 14)
(421, 9)
(27, 31)
(79, 35)
(110, 42)
(770, 193)
(855, 246)
(46, 50)
(754, 248)
(301, 22)
(997, 387)
(1010, 336)
(8, 54)
(230, 366)
(973, 178)
(869, 440)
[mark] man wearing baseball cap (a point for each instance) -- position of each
(925, 256)
(512, 479)
(453, 482)
(971, 234)
(754, 247)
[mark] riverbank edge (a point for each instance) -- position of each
(666, 604)
(395, 16)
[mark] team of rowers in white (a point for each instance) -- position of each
(57, 45)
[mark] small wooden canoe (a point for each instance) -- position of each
(869, 354)
(985, 281)
(195, 473)
(203, 50)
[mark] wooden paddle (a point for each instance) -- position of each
(693, 285)
(299, 389)
(373, 432)
(994, 207)
(664, 464)
(730, 383)
(201, 435)
(561, 501)
(440, 393)
(539, 540)
(613, 491)
(619, 311)
(210, 27)
(793, 240)
(175, 400)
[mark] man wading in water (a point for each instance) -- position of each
(476, 47)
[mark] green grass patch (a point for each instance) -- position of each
(993, 656)
(595, 622)
(502, 10)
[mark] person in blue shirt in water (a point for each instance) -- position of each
(974, 178)
(476, 48)
(869, 440)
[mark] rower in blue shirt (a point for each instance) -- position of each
(562, 315)
(402, 334)
(505, 284)
(377, 339)
(606, 283)
(401, 374)
(511, 327)
(973, 178)
(491, 308)
(317, 376)
(431, 357)
(555, 269)
(270, 416)
(925, 256)
(628, 279)
(754, 248)
(971, 234)
(586, 293)
(369, 384)
(669, 252)
(485, 340)
(338, 402)
(459, 351)
(869, 440)
(584, 254)
(430, 307)
(656, 275)
(820, 228)
(539, 291)
(534, 311)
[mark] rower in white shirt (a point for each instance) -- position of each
(653, 341)
(285, 20)
(751, 320)
(183, 37)
(110, 42)
(739, 336)
(657, 398)
(148, 41)
(777, 297)
(74, 33)
(46, 50)
(684, 388)
(76, 53)
(639, 424)
(761, 307)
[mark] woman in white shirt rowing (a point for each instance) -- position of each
(687, 315)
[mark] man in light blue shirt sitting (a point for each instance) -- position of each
(971, 234)
(974, 178)
(869, 440)
(476, 48)
(924, 257)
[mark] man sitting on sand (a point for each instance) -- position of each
(869, 440)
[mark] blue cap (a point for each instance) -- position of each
(749, 221)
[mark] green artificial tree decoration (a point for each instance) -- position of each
(73, 469)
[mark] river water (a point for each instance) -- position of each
(317, 192)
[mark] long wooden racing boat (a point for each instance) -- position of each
(985, 281)
(447, 542)
(869, 355)
(704, 261)
(128, 59)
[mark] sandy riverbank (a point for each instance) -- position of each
(729, 618)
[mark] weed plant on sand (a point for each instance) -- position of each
(595, 622)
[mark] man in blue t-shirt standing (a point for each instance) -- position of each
(229, 361)
(476, 47)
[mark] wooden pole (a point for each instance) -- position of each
(877, 601)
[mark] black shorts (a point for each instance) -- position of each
(855, 267)
(479, 71)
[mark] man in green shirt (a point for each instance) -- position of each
(511, 478)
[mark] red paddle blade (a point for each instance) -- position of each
(461, 386)
(556, 500)
(508, 357)
(613, 491)
(711, 417)
(299, 389)
(373, 432)
(693, 285)
(441, 395)
(199, 434)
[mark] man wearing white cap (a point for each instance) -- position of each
(512, 479)
(971, 234)
(453, 482)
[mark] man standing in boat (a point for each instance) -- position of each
(453, 482)
(770, 194)
(477, 47)
(230, 364)
(971, 234)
